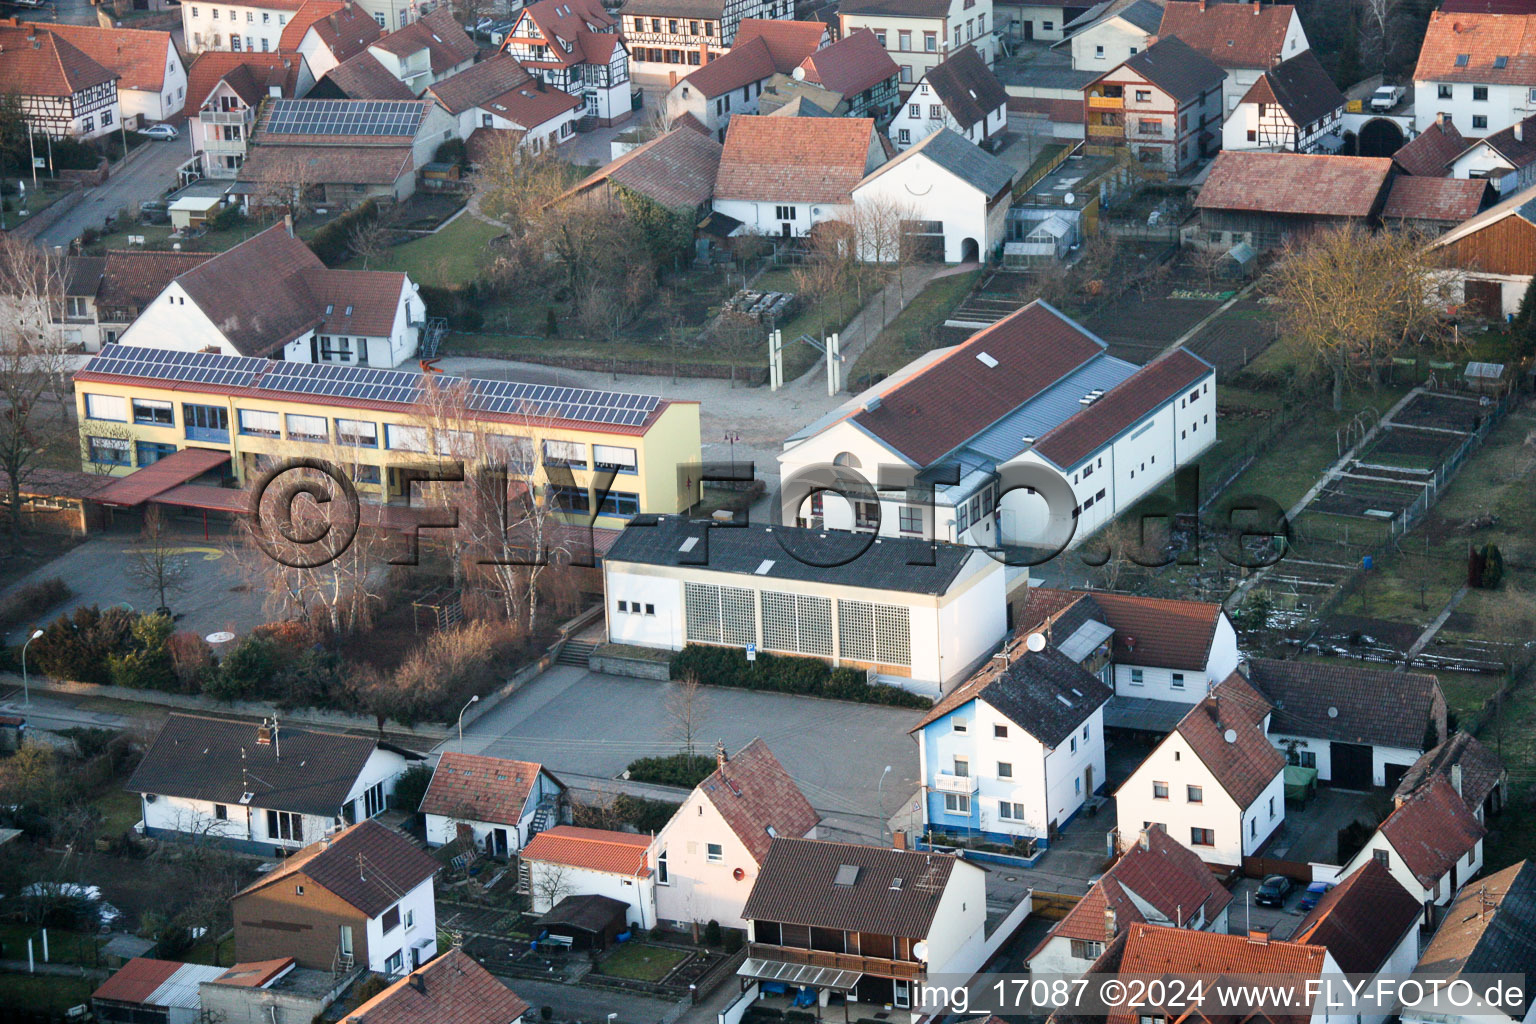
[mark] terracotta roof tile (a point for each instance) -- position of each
(1295, 183)
(1245, 764)
(480, 788)
(747, 62)
(452, 987)
(1157, 632)
(367, 865)
(133, 278)
(321, 165)
(1520, 152)
(1429, 154)
(1154, 951)
(1431, 830)
(255, 973)
(1350, 703)
(481, 82)
(363, 77)
(249, 74)
(439, 33)
(137, 56)
(754, 794)
(1234, 35)
(346, 29)
(595, 849)
(1482, 39)
(1447, 200)
(532, 104)
(1481, 769)
(789, 42)
(256, 293)
(795, 160)
(567, 21)
(1361, 920)
(1490, 928)
(677, 169)
(851, 65)
(34, 62)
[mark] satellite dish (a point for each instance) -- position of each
(1230, 735)
(920, 950)
(1333, 712)
(223, 636)
(1035, 642)
(1069, 198)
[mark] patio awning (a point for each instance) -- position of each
(158, 477)
(799, 975)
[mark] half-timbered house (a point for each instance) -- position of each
(1294, 107)
(674, 36)
(574, 46)
(63, 92)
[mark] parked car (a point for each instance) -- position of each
(1274, 891)
(164, 132)
(1385, 98)
(498, 32)
(153, 211)
(1314, 893)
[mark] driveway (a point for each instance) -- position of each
(147, 177)
(584, 724)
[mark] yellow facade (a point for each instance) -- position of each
(665, 477)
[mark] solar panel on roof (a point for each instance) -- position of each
(345, 117)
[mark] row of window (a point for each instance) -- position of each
(1176, 681)
(250, 16)
(1192, 794)
(657, 55)
(674, 26)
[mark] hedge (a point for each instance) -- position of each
(683, 770)
(333, 243)
(811, 677)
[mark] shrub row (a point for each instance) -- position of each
(27, 602)
(682, 769)
(333, 243)
(812, 677)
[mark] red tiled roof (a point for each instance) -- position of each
(1520, 152)
(1153, 951)
(747, 62)
(794, 159)
(439, 33)
(479, 788)
(566, 21)
(367, 865)
(1234, 35)
(753, 793)
(1157, 632)
(1245, 764)
(852, 64)
(452, 988)
(475, 85)
(1431, 830)
(1034, 348)
(789, 42)
(677, 169)
(250, 75)
(137, 56)
(256, 293)
(593, 849)
(1481, 769)
(1429, 154)
(360, 301)
(1447, 200)
(255, 973)
(1295, 183)
(136, 980)
(132, 278)
(1361, 920)
(147, 481)
(346, 29)
(34, 62)
(343, 164)
(1482, 39)
(1126, 404)
(363, 77)
(532, 104)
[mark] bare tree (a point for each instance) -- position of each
(155, 562)
(550, 884)
(370, 239)
(1381, 13)
(687, 705)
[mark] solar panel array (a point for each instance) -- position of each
(164, 364)
(345, 117)
(347, 382)
(613, 407)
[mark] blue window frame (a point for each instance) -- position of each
(206, 422)
(620, 503)
(151, 452)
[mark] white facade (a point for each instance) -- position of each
(1239, 80)
(1186, 686)
(1239, 831)
(1481, 161)
(1057, 957)
(919, 44)
(1317, 753)
(924, 113)
(1478, 110)
(161, 104)
(785, 220)
(408, 944)
(561, 880)
(1107, 44)
(1046, 22)
(973, 224)
(552, 132)
(1441, 892)
(242, 28)
(1267, 126)
(443, 829)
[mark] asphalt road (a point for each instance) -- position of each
(146, 178)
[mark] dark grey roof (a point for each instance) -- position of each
(1144, 14)
(960, 157)
(1045, 693)
(754, 549)
(897, 8)
(1349, 703)
(675, 8)
(1177, 68)
(1037, 77)
(1490, 928)
(1303, 88)
(1481, 769)
(220, 760)
(969, 89)
(585, 913)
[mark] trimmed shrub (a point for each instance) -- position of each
(333, 243)
(811, 677)
(29, 601)
(227, 219)
(685, 770)
(712, 933)
(454, 151)
(411, 786)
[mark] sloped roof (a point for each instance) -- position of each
(478, 83)
(1522, 204)
(480, 788)
(256, 293)
(323, 165)
(852, 64)
(1518, 152)
(567, 21)
(1158, 632)
(346, 29)
(1302, 87)
(1489, 928)
(1177, 68)
(1445, 200)
(439, 33)
(363, 77)
(747, 62)
(593, 849)
(1429, 154)
(960, 157)
(1234, 35)
(1481, 769)
(1124, 406)
(789, 42)
(1350, 703)
(531, 104)
(1246, 763)
(137, 56)
(758, 799)
(1156, 951)
(1431, 830)
(255, 973)
(896, 8)
(1045, 693)
(219, 760)
(1294, 183)
(250, 75)
(1482, 39)
(366, 865)
(1144, 14)
(451, 987)
(82, 274)
(967, 87)
(1361, 920)
(35, 62)
(137, 980)
(805, 160)
(797, 885)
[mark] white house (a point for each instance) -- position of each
(271, 296)
(1215, 784)
(264, 789)
(570, 861)
(784, 175)
(1294, 107)
(961, 94)
(363, 897)
(1038, 22)
(244, 28)
(1155, 881)
(574, 46)
(1370, 926)
(906, 915)
(1016, 750)
(225, 91)
(1507, 158)
(326, 33)
(1243, 39)
(959, 192)
(428, 50)
(1359, 727)
(731, 83)
(1477, 68)
(921, 34)
(1110, 33)
(1432, 844)
(152, 80)
(848, 599)
(1055, 438)
(504, 803)
(1487, 929)
(1163, 104)
(499, 94)
(709, 854)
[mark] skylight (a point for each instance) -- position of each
(688, 544)
(847, 874)
(1462, 59)
(986, 360)
(1501, 62)
(763, 567)
(1064, 700)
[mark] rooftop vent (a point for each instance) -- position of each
(688, 544)
(1063, 698)
(847, 874)
(986, 360)
(872, 404)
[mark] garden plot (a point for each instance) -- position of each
(981, 309)
(1237, 336)
(1138, 330)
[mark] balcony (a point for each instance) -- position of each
(220, 147)
(944, 782)
(1106, 102)
(904, 970)
(1106, 131)
(225, 116)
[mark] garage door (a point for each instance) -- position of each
(1351, 765)
(1484, 298)
(1393, 774)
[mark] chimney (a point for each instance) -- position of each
(1258, 935)
(1519, 130)
(264, 733)
(1456, 768)
(1145, 841)
(720, 758)
(1443, 119)
(1109, 923)
(288, 223)
(1256, 6)
(1202, 5)
(899, 839)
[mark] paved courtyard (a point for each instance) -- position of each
(582, 724)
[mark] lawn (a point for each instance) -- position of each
(638, 961)
(910, 334)
(120, 811)
(63, 947)
(455, 255)
(44, 993)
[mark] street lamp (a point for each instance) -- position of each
(881, 791)
(26, 693)
(463, 709)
